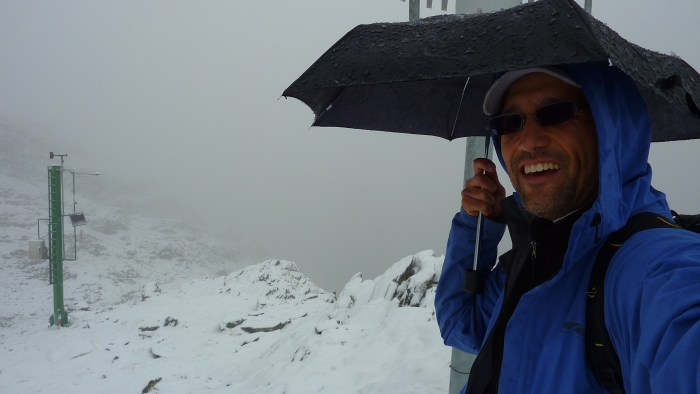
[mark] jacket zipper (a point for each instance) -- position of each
(534, 261)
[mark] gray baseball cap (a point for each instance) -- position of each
(493, 102)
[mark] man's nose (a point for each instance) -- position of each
(532, 136)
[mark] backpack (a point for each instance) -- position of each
(600, 352)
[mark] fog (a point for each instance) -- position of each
(182, 100)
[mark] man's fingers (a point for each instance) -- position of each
(483, 192)
(473, 206)
(493, 175)
(475, 200)
(479, 195)
(482, 181)
(486, 167)
(482, 164)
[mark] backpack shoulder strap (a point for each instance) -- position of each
(600, 352)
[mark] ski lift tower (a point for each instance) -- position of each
(56, 250)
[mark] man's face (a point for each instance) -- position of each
(572, 146)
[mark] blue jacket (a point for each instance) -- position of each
(652, 300)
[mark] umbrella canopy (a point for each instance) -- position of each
(430, 76)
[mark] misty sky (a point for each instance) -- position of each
(183, 98)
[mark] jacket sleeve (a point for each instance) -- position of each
(656, 332)
(454, 307)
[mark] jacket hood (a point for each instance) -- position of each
(623, 128)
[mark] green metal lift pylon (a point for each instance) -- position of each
(59, 316)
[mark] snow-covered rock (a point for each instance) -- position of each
(330, 324)
(274, 282)
(149, 290)
(409, 282)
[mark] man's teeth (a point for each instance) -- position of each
(541, 167)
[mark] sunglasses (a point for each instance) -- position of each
(548, 115)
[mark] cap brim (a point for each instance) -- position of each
(493, 102)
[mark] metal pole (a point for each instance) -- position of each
(413, 10)
(461, 362)
(460, 365)
(477, 147)
(59, 315)
(588, 6)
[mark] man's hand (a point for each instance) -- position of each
(483, 193)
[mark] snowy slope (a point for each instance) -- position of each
(263, 329)
(117, 253)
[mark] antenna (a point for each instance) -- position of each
(52, 155)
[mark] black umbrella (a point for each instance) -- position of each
(430, 76)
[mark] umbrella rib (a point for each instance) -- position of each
(459, 108)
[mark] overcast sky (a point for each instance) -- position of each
(183, 97)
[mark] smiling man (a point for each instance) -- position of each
(575, 142)
(554, 169)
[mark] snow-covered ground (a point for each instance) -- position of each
(158, 301)
(263, 329)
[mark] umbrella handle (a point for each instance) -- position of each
(478, 240)
(474, 281)
(479, 221)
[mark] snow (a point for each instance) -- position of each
(157, 303)
(264, 328)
